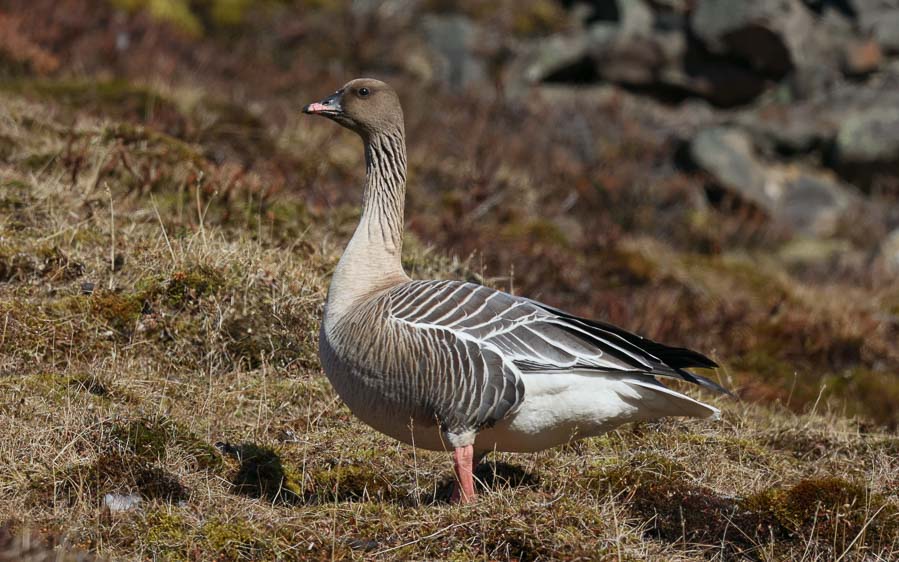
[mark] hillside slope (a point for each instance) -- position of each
(159, 310)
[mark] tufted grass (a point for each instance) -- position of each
(158, 326)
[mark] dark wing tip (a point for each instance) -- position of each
(673, 360)
(679, 357)
(703, 382)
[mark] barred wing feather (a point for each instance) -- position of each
(490, 339)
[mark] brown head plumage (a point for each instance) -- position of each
(364, 105)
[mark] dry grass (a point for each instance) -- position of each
(158, 320)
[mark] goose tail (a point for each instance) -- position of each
(662, 401)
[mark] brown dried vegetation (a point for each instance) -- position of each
(164, 253)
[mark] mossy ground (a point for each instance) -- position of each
(161, 279)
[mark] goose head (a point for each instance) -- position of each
(365, 105)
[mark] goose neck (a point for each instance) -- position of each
(372, 260)
(383, 199)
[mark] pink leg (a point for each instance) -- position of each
(463, 459)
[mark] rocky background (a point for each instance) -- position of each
(790, 107)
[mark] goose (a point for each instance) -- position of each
(455, 366)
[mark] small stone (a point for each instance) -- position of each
(87, 288)
(119, 503)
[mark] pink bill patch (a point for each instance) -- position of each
(316, 108)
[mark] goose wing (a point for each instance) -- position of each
(476, 343)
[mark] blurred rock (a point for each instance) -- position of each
(870, 13)
(453, 41)
(823, 55)
(559, 58)
(867, 144)
(726, 154)
(787, 129)
(886, 31)
(808, 202)
(713, 78)
(769, 35)
(635, 20)
(630, 55)
(889, 252)
(816, 79)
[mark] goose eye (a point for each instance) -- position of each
(363, 92)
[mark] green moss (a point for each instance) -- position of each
(15, 266)
(146, 438)
(734, 448)
(56, 265)
(25, 261)
(174, 12)
(237, 540)
(192, 284)
(825, 509)
(119, 311)
(183, 287)
(343, 482)
(58, 386)
(227, 126)
(254, 338)
(195, 18)
(514, 544)
(289, 219)
(830, 508)
(167, 534)
(46, 382)
(262, 475)
(39, 161)
(152, 439)
(15, 195)
(765, 364)
(739, 272)
(7, 147)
